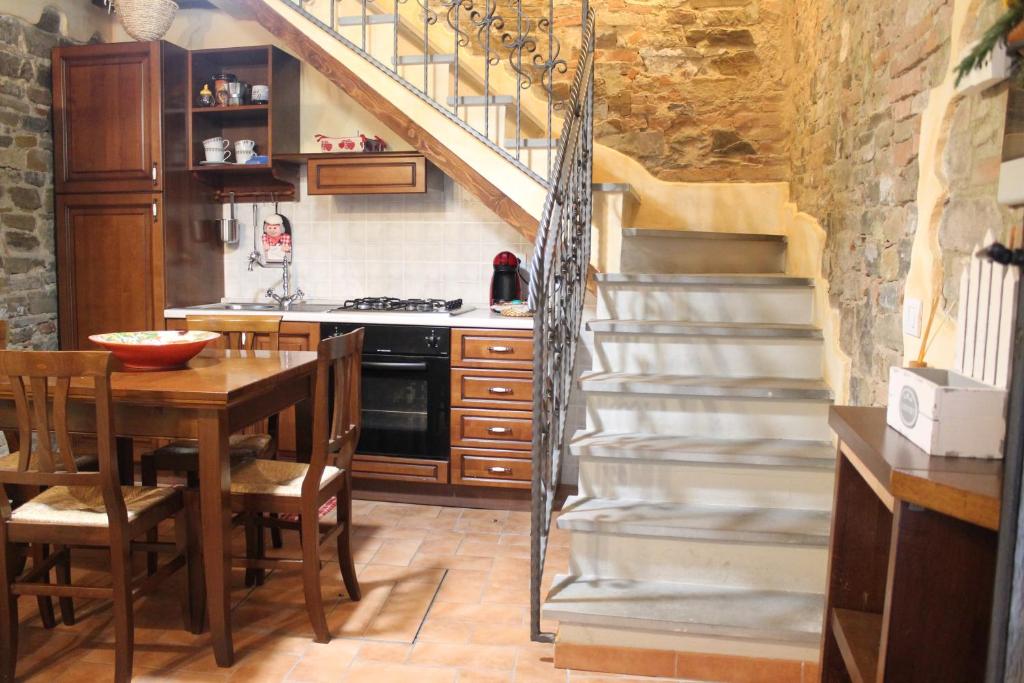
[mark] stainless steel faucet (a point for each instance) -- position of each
(286, 298)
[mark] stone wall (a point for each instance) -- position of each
(28, 291)
(863, 77)
(694, 89)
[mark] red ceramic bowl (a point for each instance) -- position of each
(156, 349)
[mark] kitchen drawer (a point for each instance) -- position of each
(490, 468)
(377, 173)
(512, 389)
(511, 429)
(502, 349)
(399, 469)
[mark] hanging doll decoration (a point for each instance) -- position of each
(277, 239)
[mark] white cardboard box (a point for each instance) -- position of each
(946, 413)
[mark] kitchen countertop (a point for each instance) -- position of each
(481, 317)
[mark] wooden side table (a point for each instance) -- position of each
(911, 558)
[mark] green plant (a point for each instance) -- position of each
(978, 55)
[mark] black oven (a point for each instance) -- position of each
(406, 389)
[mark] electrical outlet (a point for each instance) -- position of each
(912, 317)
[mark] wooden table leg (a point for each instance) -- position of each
(215, 503)
(125, 460)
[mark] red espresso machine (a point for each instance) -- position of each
(506, 284)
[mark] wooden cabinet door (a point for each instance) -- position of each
(106, 118)
(110, 252)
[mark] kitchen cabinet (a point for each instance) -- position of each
(294, 336)
(107, 117)
(369, 173)
(109, 251)
(492, 401)
(273, 127)
(134, 232)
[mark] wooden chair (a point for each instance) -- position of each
(85, 459)
(239, 334)
(296, 491)
(77, 509)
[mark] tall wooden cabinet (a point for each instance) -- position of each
(135, 232)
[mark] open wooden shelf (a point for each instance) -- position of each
(230, 111)
(859, 636)
(274, 127)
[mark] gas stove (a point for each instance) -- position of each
(387, 304)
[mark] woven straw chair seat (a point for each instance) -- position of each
(83, 505)
(274, 477)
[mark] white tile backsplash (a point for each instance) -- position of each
(438, 244)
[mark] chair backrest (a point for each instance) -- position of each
(46, 413)
(336, 428)
(239, 330)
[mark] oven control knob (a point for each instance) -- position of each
(432, 340)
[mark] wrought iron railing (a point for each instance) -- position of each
(503, 61)
(558, 286)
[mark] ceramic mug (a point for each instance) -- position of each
(217, 149)
(245, 150)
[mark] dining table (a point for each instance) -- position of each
(218, 393)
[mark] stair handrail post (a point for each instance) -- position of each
(558, 283)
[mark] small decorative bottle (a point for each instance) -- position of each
(205, 98)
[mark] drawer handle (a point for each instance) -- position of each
(500, 390)
(498, 430)
(500, 349)
(499, 470)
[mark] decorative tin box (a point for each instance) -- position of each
(946, 413)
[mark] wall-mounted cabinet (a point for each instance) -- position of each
(368, 173)
(273, 126)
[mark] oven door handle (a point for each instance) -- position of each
(380, 365)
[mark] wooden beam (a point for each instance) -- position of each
(394, 118)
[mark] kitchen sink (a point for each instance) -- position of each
(303, 307)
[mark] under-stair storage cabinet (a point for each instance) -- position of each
(134, 232)
(492, 400)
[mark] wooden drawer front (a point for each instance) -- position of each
(506, 349)
(490, 468)
(492, 389)
(492, 429)
(368, 174)
(399, 469)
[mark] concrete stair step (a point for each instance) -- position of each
(357, 19)
(719, 349)
(721, 545)
(742, 298)
(689, 521)
(661, 448)
(777, 616)
(703, 329)
(420, 60)
(706, 387)
(687, 251)
(480, 100)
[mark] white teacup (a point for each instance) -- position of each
(245, 150)
(217, 149)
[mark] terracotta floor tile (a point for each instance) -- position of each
(462, 585)
(392, 573)
(487, 657)
(500, 634)
(263, 668)
(435, 630)
(399, 552)
(394, 653)
(377, 672)
(492, 614)
(452, 562)
(478, 676)
(402, 614)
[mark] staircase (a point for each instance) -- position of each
(700, 532)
